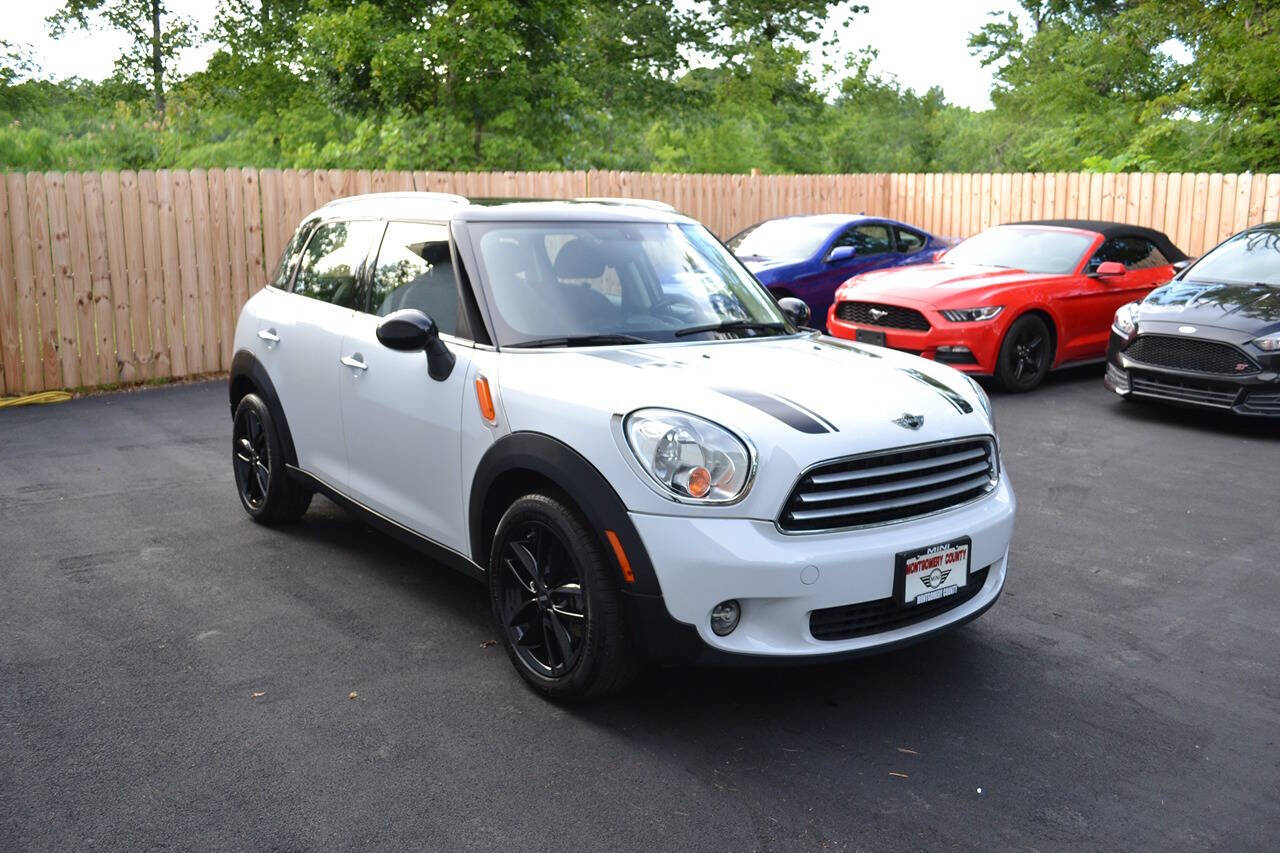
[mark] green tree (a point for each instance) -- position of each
(156, 36)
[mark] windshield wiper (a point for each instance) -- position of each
(730, 326)
(582, 341)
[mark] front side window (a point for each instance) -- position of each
(1136, 253)
(331, 262)
(909, 241)
(867, 239)
(415, 270)
(289, 260)
(1252, 257)
(1038, 250)
(577, 282)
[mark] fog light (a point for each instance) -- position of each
(955, 355)
(724, 617)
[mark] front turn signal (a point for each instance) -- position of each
(485, 400)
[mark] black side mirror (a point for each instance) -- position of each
(409, 330)
(797, 310)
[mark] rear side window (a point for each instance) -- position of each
(909, 241)
(415, 270)
(1136, 253)
(289, 260)
(867, 239)
(331, 262)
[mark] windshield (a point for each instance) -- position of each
(1041, 250)
(600, 283)
(786, 239)
(1251, 258)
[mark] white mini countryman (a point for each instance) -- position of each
(593, 407)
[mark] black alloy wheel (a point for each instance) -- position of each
(266, 491)
(544, 610)
(1025, 354)
(556, 600)
(252, 459)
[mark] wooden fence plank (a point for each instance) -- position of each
(170, 188)
(24, 276)
(1186, 199)
(211, 354)
(1212, 212)
(1199, 201)
(61, 318)
(236, 229)
(10, 349)
(188, 271)
(124, 223)
(1226, 216)
(255, 268)
(273, 217)
(157, 215)
(100, 280)
(40, 231)
(1271, 208)
(221, 265)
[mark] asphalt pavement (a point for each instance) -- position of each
(174, 676)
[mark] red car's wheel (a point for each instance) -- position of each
(1025, 354)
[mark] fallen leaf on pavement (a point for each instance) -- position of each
(899, 775)
(906, 751)
(487, 643)
(259, 695)
(353, 695)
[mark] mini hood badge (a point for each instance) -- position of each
(909, 421)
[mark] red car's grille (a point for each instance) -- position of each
(888, 316)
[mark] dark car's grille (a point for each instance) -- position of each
(894, 485)
(1183, 391)
(1262, 403)
(1191, 354)
(884, 614)
(888, 316)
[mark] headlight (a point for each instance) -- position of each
(1126, 319)
(1271, 343)
(972, 315)
(689, 457)
(984, 399)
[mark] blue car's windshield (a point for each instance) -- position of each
(1040, 250)
(784, 239)
(601, 283)
(1252, 257)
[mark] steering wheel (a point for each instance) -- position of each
(671, 300)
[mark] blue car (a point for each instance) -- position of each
(810, 256)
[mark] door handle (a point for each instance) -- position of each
(269, 335)
(355, 362)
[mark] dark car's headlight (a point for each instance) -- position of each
(1126, 319)
(690, 457)
(1268, 343)
(972, 315)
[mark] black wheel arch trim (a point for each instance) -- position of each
(246, 367)
(553, 460)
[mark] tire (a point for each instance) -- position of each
(257, 457)
(1025, 354)
(556, 602)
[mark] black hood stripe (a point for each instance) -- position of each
(788, 413)
(811, 413)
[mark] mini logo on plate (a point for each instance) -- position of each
(878, 313)
(936, 578)
(1187, 330)
(909, 421)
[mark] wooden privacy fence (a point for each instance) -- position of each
(130, 276)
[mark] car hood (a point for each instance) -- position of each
(938, 284)
(1242, 307)
(798, 400)
(768, 268)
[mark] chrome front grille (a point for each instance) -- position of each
(888, 486)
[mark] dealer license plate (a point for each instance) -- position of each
(863, 336)
(928, 574)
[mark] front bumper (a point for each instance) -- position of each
(1254, 395)
(780, 579)
(982, 339)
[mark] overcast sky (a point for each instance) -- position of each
(921, 42)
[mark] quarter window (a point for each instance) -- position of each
(1136, 253)
(415, 270)
(289, 260)
(867, 239)
(332, 260)
(909, 241)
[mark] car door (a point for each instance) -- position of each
(1095, 298)
(873, 248)
(403, 427)
(301, 332)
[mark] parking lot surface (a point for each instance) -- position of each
(173, 675)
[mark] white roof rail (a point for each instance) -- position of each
(652, 204)
(451, 198)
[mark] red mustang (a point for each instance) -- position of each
(1012, 302)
